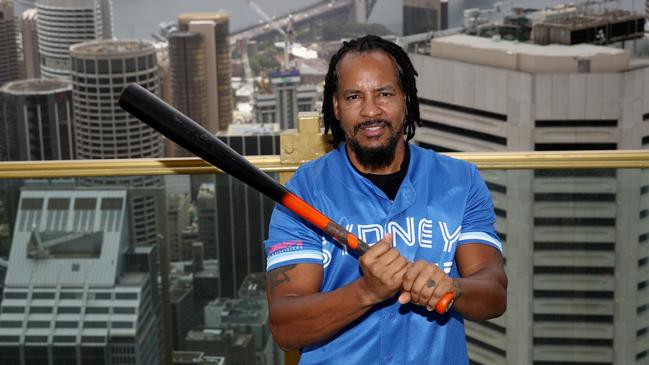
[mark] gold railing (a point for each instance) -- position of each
(618, 159)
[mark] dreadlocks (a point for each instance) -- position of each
(406, 74)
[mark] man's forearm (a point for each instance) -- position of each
(482, 295)
(299, 321)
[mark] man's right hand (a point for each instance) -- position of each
(383, 268)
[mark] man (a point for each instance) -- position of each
(431, 215)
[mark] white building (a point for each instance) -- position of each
(576, 244)
(71, 293)
(63, 23)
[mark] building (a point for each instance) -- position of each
(206, 212)
(36, 121)
(63, 23)
(70, 295)
(421, 16)
(575, 240)
(183, 312)
(100, 71)
(244, 316)
(233, 217)
(189, 78)
(236, 348)
(29, 31)
(8, 47)
(288, 98)
(215, 30)
(178, 217)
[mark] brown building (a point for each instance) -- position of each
(214, 28)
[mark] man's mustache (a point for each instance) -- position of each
(371, 123)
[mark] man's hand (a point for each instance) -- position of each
(425, 284)
(383, 268)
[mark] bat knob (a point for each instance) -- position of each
(444, 305)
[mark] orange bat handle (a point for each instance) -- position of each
(445, 304)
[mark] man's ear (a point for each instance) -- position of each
(335, 103)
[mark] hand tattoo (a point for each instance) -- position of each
(431, 283)
(458, 288)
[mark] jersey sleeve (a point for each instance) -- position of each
(290, 239)
(478, 224)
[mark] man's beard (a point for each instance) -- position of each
(375, 157)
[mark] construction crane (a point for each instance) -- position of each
(288, 34)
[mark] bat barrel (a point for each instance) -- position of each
(185, 132)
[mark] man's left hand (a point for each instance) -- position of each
(424, 284)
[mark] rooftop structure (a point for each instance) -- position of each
(527, 57)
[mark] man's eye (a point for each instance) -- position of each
(385, 93)
(352, 97)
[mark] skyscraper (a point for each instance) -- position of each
(8, 46)
(100, 70)
(70, 296)
(189, 80)
(575, 240)
(29, 31)
(63, 23)
(215, 30)
(36, 121)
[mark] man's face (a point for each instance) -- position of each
(370, 105)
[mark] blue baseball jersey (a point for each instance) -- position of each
(442, 203)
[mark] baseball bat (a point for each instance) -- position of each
(185, 132)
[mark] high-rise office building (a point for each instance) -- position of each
(63, 23)
(421, 16)
(100, 71)
(235, 347)
(36, 121)
(235, 222)
(575, 240)
(287, 100)
(187, 62)
(70, 296)
(8, 47)
(215, 30)
(29, 31)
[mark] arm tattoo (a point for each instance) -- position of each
(458, 288)
(278, 276)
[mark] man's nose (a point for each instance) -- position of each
(370, 108)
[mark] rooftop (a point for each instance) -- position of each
(108, 47)
(36, 86)
(528, 57)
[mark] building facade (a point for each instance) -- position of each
(63, 23)
(100, 71)
(8, 47)
(575, 240)
(36, 120)
(215, 30)
(29, 31)
(70, 296)
(189, 80)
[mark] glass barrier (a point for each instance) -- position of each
(83, 265)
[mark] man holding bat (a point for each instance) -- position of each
(431, 217)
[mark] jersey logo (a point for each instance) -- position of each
(449, 238)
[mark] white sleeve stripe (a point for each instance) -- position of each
(480, 236)
(275, 260)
